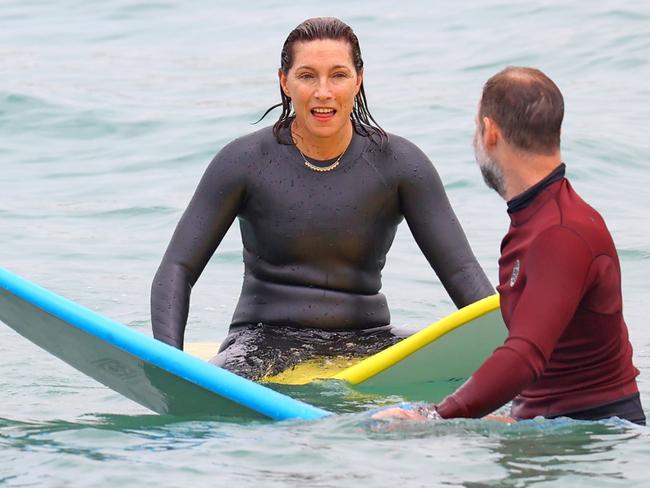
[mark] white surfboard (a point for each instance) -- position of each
(147, 371)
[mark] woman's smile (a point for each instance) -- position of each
(323, 114)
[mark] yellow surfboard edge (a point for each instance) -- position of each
(202, 350)
(312, 370)
(375, 364)
(357, 370)
(300, 374)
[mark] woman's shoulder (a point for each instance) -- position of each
(402, 145)
(259, 141)
(234, 160)
(395, 147)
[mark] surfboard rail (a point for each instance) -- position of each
(384, 360)
(448, 349)
(18, 294)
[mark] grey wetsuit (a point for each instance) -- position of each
(314, 242)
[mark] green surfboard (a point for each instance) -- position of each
(439, 357)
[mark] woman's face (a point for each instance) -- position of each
(322, 84)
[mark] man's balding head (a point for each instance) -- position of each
(527, 107)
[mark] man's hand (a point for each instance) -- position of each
(423, 412)
(408, 411)
(500, 418)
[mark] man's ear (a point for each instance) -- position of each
(491, 133)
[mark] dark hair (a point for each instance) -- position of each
(527, 106)
(330, 28)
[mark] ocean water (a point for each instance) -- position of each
(110, 112)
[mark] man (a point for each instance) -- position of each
(567, 351)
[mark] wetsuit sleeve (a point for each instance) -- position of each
(558, 263)
(438, 233)
(207, 218)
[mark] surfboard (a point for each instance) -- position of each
(149, 372)
(441, 355)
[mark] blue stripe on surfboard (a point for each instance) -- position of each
(235, 388)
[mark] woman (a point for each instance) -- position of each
(319, 197)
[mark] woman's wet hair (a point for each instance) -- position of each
(329, 28)
(527, 106)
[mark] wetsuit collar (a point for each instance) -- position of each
(524, 199)
(357, 146)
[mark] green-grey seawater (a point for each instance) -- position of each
(109, 113)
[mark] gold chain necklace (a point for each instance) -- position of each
(321, 169)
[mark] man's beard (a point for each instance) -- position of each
(492, 174)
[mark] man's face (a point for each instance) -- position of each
(490, 169)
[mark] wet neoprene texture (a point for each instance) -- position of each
(568, 350)
(314, 242)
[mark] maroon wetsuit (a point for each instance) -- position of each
(567, 349)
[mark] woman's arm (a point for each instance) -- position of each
(206, 220)
(436, 229)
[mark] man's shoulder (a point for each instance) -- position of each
(574, 214)
(578, 214)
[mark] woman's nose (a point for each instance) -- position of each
(323, 90)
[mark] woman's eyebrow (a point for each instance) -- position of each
(338, 66)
